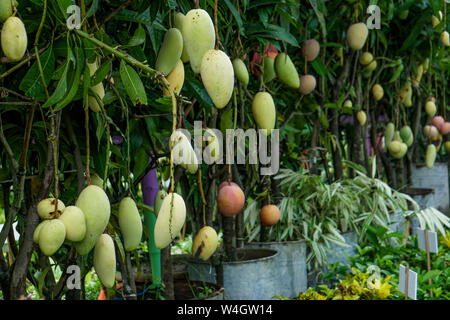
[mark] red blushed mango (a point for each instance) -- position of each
(226, 183)
(231, 199)
(270, 215)
(438, 122)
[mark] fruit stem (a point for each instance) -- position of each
(200, 184)
(215, 25)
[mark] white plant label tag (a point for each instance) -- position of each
(432, 240)
(412, 282)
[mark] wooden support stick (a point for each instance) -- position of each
(406, 281)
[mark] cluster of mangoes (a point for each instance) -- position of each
(83, 225)
(14, 38)
(445, 37)
(434, 133)
(397, 142)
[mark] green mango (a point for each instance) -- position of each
(199, 36)
(389, 133)
(75, 223)
(430, 156)
(130, 224)
(51, 236)
(95, 205)
(178, 22)
(217, 75)
(269, 69)
(170, 51)
(160, 195)
(264, 112)
(105, 260)
(14, 39)
(286, 71)
(37, 231)
(240, 70)
(406, 134)
(226, 120)
(5, 10)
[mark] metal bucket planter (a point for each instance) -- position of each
(252, 277)
(337, 254)
(292, 275)
(435, 178)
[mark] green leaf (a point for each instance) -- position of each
(101, 73)
(318, 66)
(236, 16)
(138, 37)
(133, 84)
(61, 88)
(31, 84)
(195, 87)
(76, 76)
(272, 32)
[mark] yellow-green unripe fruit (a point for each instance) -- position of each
(96, 180)
(226, 121)
(46, 208)
(175, 78)
(447, 146)
(407, 135)
(212, 150)
(105, 260)
(98, 89)
(377, 92)
(430, 108)
(217, 77)
(171, 218)
(357, 35)
(269, 69)
(95, 205)
(286, 71)
(14, 39)
(130, 224)
(182, 152)
(38, 230)
(264, 112)
(445, 38)
(178, 22)
(75, 223)
(361, 117)
(406, 94)
(389, 133)
(170, 51)
(205, 243)
(51, 236)
(430, 156)
(160, 195)
(5, 10)
(371, 66)
(240, 70)
(365, 58)
(348, 104)
(199, 36)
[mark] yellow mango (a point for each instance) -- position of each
(361, 117)
(105, 260)
(199, 36)
(46, 208)
(175, 78)
(286, 71)
(365, 58)
(171, 218)
(5, 10)
(240, 70)
(218, 77)
(37, 231)
(389, 132)
(178, 22)
(95, 205)
(170, 51)
(205, 243)
(264, 112)
(378, 92)
(75, 223)
(357, 35)
(130, 224)
(98, 89)
(406, 94)
(269, 69)
(14, 39)
(51, 236)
